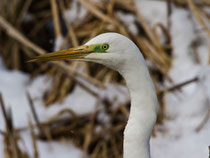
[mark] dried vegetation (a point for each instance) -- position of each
(33, 27)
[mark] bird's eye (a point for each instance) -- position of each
(105, 46)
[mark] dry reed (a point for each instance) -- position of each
(29, 27)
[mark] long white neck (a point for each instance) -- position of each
(143, 111)
(124, 56)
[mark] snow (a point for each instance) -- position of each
(205, 80)
(58, 43)
(152, 11)
(76, 13)
(128, 20)
(177, 137)
(14, 94)
(187, 108)
(14, 85)
(51, 149)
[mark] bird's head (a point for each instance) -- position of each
(109, 49)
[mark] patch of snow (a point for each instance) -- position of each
(1, 146)
(2, 67)
(80, 101)
(116, 94)
(76, 13)
(13, 86)
(185, 109)
(129, 21)
(58, 43)
(204, 78)
(83, 104)
(52, 149)
(153, 11)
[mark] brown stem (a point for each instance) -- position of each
(34, 113)
(178, 86)
(14, 33)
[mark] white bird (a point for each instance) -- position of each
(121, 54)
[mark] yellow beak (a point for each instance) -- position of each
(71, 53)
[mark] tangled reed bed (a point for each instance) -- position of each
(39, 26)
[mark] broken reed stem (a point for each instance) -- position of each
(209, 151)
(178, 86)
(66, 69)
(209, 53)
(72, 36)
(11, 135)
(144, 25)
(4, 111)
(155, 41)
(196, 13)
(146, 46)
(169, 12)
(56, 21)
(34, 113)
(184, 2)
(204, 121)
(35, 149)
(14, 33)
(71, 32)
(23, 11)
(2, 133)
(95, 11)
(63, 111)
(89, 133)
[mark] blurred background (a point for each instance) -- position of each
(77, 109)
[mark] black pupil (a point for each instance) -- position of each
(104, 46)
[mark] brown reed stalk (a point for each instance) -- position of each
(12, 32)
(197, 14)
(56, 20)
(33, 137)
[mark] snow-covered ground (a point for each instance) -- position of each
(185, 109)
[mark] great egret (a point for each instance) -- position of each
(121, 54)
